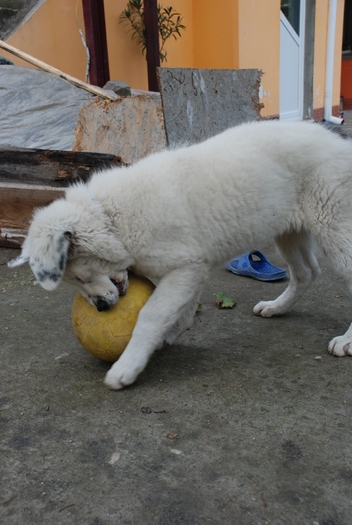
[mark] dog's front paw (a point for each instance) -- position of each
(116, 379)
(121, 374)
(340, 346)
(268, 309)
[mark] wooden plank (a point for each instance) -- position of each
(51, 167)
(17, 202)
(199, 103)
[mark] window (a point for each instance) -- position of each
(291, 10)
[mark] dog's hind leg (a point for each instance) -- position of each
(170, 302)
(296, 248)
(338, 248)
(342, 344)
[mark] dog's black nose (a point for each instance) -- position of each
(102, 305)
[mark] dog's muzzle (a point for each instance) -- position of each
(105, 303)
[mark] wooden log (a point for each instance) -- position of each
(17, 202)
(51, 167)
(49, 69)
(131, 127)
(32, 178)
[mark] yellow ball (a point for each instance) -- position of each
(106, 334)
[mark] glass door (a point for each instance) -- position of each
(292, 17)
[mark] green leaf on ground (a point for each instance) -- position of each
(224, 302)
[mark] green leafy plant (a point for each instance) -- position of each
(169, 24)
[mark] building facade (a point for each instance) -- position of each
(297, 44)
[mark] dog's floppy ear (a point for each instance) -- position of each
(48, 261)
(47, 254)
(17, 261)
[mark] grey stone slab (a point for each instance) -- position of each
(199, 103)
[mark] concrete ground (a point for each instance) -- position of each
(243, 421)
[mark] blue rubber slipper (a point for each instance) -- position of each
(260, 269)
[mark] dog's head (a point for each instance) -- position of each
(74, 241)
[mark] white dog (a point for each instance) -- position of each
(174, 214)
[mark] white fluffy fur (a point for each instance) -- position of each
(174, 214)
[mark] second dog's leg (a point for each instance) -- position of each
(169, 302)
(297, 250)
(342, 344)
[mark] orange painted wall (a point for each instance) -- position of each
(215, 34)
(181, 51)
(321, 24)
(51, 35)
(259, 47)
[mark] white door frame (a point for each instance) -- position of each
(297, 112)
